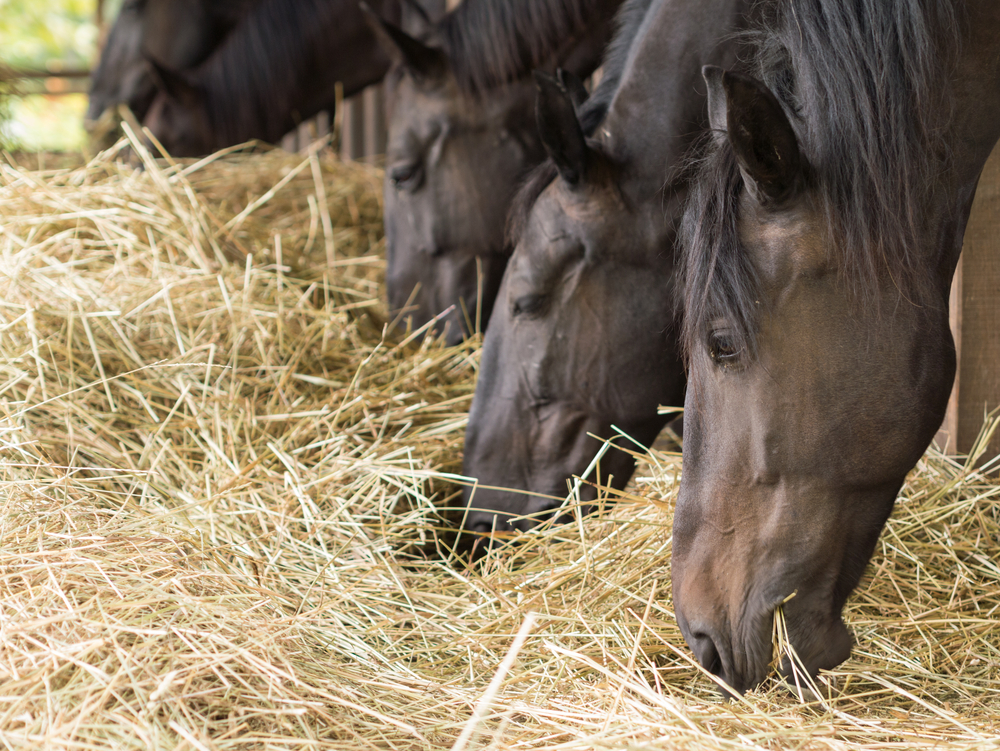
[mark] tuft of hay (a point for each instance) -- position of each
(225, 481)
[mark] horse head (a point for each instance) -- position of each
(178, 117)
(453, 162)
(581, 341)
(818, 248)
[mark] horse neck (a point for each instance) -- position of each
(495, 42)
(282, 63)
(975, 126)
(227, 13)
(659, 107)
(973, 130)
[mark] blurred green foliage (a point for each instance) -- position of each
(41, 34)
(5, 101)
(36, 32)
(48, 123)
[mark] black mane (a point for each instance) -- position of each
(865, 84)
(261, 67)
(628, 22)
(493, 42)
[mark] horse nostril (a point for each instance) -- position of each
(481, 528)
(707, 653)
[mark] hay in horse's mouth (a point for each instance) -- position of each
(220, 511)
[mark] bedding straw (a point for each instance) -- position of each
(224, 494)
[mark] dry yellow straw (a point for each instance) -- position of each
(228, 491)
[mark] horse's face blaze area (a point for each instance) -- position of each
(453, 162)
(579, 341)
(793, 455)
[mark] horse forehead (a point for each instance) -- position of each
(411, 101)
(787, 242)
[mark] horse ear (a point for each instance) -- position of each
(415, 20)
(560, 129)
(758, 130)
(174, 83)
(402, 49)
(716, 98)
(573, 86)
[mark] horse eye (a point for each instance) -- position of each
(406, 176)
(528, 304)
(722, 349)
(541, 401)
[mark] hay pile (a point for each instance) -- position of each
(224, 483)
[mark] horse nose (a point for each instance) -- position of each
(484, 523)
(483, 527)
(705, 623)
(707, 653)
(479, 534)
(711, 652)
(824, 647)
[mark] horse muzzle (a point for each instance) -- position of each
(741, 655)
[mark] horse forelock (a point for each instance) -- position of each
(719, 283)
(591, 114)
(524, 199)
(866, 84)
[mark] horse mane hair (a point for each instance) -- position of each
(865, 85)
(493, 42)
(591, 114)
(628, 22)
(229, 12)
(260, 66)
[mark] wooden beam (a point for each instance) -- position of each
(975, 321)
(352, 134)
(54, 72)
(375, 125)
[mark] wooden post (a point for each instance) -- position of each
(101, 21)
(352, 135)
(374, 115)
(975, 321)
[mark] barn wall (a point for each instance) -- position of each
(975, 321)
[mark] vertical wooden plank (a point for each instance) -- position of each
(101, 21)
(976, 318)
(352, 142)
(322, 124)
(980, 321)
(375, 134)
(947, 437)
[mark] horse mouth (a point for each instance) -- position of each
(795, 652)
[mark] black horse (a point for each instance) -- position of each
(819, 247)
(461, 138)
(584, 337)
(178, 33)
(277, 68)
